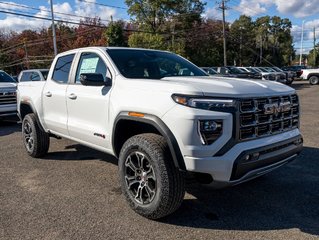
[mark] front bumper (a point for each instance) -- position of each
(8, 110)
(232, 168)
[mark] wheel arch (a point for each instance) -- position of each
(313, 74)
(26, 108)
(126, 126)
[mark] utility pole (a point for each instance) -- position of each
(26, 56)
(53, 30)
(261, 50)
(223, 7)
(240, 46)
(314, 47)
(301, 43)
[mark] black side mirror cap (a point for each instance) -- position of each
(94, 79)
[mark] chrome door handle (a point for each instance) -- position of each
(48, 94)
(72, 96)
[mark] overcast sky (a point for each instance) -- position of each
(295, 10)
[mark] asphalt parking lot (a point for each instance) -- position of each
(73, 193)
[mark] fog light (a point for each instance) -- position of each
(210, 130)
(252, 157)
(255, 156)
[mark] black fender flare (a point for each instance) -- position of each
(161, 127)
(29, 104)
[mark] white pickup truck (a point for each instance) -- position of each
(8, 98)
(162, 117)
(312, 75)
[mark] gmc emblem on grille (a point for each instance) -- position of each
(276, 108)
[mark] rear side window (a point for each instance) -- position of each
(25, 77)
(62, 69)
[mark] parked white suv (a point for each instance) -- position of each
(136, 105)
(8, 99)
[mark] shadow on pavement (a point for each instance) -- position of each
(298, 85)
(9, 127)
(284, 199)
(80, 153)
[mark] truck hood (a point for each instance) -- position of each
(232, 87)
(7, 85)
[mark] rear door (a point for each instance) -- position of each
(88, 105)
(54, 96)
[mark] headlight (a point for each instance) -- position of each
(204, 103)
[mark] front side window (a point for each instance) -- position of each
(62, 69)
(90, 63)
(152, 64)
(35, 77)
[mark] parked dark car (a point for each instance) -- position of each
(296, 68)
(210, 70)
(234, 72)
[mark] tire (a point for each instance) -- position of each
(289, 82)
(313, 80)
(35, 140)
(156, 187)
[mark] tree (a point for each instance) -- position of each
(205, 48)
(311, 56)
(115, 34)
(242, 41)
(147, 40)
(151, 15)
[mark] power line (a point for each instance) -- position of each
(44, 10)
(102, 4)
(76, 23)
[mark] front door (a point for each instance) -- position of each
(88, 105)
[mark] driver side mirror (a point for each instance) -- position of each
(94, 79)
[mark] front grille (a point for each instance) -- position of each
(8, 98)
(256, 122)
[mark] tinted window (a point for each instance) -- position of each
(62, 69)
(25, 76)
(90, 63)
(235, 70)
(152, 64)
(4, 77)
(35, 76)
(45, 74)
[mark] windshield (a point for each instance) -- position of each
(256, 69)
(270, 69)
(45, 74)
(252, 70)
(235, 70)
(277, 69)
(4, 77)
(134, 63)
